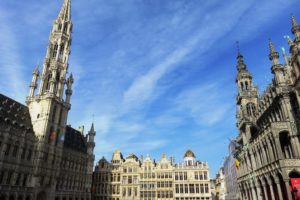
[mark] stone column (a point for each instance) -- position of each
(277, 181)
(259, 192)
(265, 190)
(278, 147)
(287, 186)
(269, 147)
(295, 145)
(271, 187)
(252, 185)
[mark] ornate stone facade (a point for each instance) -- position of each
(40, 156)
(134, 178)
(269, 124)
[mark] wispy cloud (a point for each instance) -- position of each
(12, 80)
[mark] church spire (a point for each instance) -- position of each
(296, 29)
(240, 60)
(56, 62)
(274, 55)
(65, 12)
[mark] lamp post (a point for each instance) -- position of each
(295, 191)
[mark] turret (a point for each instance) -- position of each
(244, 78)
(247, 93)
(90, 148)
(33, 84)
(69, 91)
(295, 29)
(247, 98)
(277, 68)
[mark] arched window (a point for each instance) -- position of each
(246, 85)
(59, 27)
(285, 144)
(250, 109)
(61, 51)
(55, 51)
(66, 28)
(48, 82)
(242, 86)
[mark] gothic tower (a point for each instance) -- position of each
(246, 99)
(49, 106)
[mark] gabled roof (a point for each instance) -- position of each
(74, 140)
(14, 113)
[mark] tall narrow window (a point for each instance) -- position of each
(55, 51)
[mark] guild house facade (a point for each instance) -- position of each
(144, 179)
(41, 157)
(268, 152)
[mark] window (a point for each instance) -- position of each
(55, 51)
(192, 189)
(181, 188)
(9, 175)
(206, 188)
(29, 155)
(15, 151)
(1, 176)
(177, 188)
(18, 179)
(23, 153)
(7, 150)
(186, 189)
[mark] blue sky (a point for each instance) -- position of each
(159, 76)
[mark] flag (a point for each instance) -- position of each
(237, 163)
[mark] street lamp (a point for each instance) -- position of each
(294, 191)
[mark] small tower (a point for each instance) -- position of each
(48, 108)
(90, 147)
(247, 99)
(247, 93)
(189, 158)
(296, 29)
(277, 69)
(33, 84)
(69, 91)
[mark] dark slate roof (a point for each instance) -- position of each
(14, 113)
(74, 140)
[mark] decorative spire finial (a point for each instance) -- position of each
(240, 65)
(271, 46)
(65, 12)
(294, 21)
(274, 55)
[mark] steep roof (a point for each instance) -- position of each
(14, 113)
(74, 140)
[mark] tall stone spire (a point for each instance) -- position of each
(274, 55)
(296, 29)
(240, 60)
(56, 62)
(65, 12)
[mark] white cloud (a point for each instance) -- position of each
(12, 80)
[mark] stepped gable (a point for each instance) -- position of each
(74, 140)
(14, 113)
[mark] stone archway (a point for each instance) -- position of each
(41, 196)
